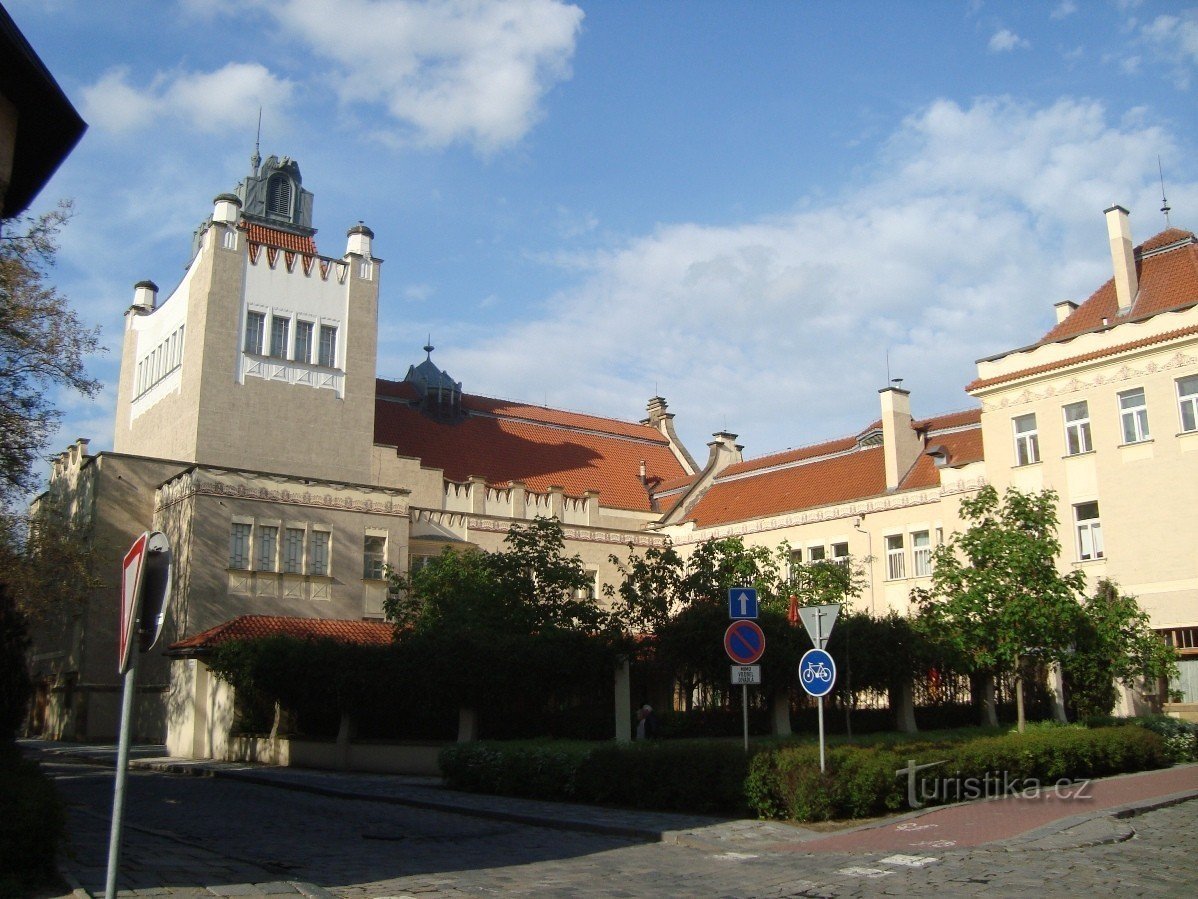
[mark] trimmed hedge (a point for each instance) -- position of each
(860, 782)
(32, 825)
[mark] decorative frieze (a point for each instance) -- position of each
(1074, 384)
(193, 484)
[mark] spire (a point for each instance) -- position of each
(1164, 202)
(256, 159)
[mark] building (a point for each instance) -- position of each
(253, 428)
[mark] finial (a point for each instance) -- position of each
(256, 159)
(897, 382)
(1164, 202)
(428, 347)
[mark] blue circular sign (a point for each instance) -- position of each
(817, 672)
(744, 641)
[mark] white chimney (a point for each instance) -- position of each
(145, 295)
(1122, 258)
(359, 243)
(225, 208)
(900, 443)
(1064, 309)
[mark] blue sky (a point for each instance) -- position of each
(758, 210)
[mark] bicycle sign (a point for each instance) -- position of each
(817, 672)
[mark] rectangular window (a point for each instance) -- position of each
(255, 331)
(896, 566)
(374, 556)
(293, 551)
(816, 553)
(303, 341)
(239, 546)
(279, 328)
(840, 551)
(268, 544)
(1077, 429)
(921, 553)
(1089, 531)
(1133, 413)
(320, 554)
(1027, 439)
(328, 346)
(1187, 402)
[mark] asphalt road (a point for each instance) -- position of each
(199, 836)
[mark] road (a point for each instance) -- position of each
(199, 836)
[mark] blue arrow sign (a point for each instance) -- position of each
(817, 672)
(742, 602)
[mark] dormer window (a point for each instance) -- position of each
(278, 196)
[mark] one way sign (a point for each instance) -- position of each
(742, 602)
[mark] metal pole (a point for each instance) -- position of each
(821, 735)
(122, 765)
(744, 701)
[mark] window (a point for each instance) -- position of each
(840, 552)
(1187, 402)
(1077, 429)
(293, 551)
(278, 196)
(320, 554)
(816, 553)
(1027, 439)
(895, 558)
(303, 341)
(1133, 412)
(239, 546)
(374, 555)
(255, 330)
(278, 336)
(1089, 531)
(328, 346)
(268, 544)
(921, 553)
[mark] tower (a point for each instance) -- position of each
(264, 356)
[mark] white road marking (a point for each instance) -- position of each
(864, 872)
(909, 861)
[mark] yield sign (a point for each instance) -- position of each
(132, 577)
(819, 621)
(744, 641)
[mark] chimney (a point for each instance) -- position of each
(723, 451)
(1064, 309)
(900, 443)
(1122, 257)
(359, 243)
(145, 296)
(226, 208)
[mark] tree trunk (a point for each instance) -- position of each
(902, 703)
(983, 685)
(781, 705)
(1056, 680)
(1020, 718)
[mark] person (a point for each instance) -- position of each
(646, 723)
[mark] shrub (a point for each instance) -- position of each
(32, 824)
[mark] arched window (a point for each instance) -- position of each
(278, 196)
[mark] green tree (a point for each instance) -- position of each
(1113, 642)
(996, 595)
(43, 346)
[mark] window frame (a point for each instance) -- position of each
(255, 332)
(1088, 532)
(305, 331)
(1136, 416)
(292, 562)
(896, 557)
(1027, 442)
(326, 352)
(374, 562)
(280, 336)
(1187, 402)
(264, 561)
(921, 556)
(1079, 438)
(241, 546)
(320, 548)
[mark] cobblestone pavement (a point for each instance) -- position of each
(193, 836)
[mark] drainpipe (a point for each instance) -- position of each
(869, 556)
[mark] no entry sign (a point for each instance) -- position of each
(744, 641)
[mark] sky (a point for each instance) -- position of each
(761, 211)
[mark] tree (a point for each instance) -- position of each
(996, 595)
(1113, 643)
(43, 345)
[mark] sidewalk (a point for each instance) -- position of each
(1002, 824)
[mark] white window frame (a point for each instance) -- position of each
(1078, 438)
(255, 331)
(1027, 439)
(896, 557)
(327, 349)
(374, 561)
(1187, 403)
(305, 332)
(817, 552)
(1089, 531)
(1133, 416)
(837, 555)
(921, 554)
(280, 336)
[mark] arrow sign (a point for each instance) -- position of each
(819, 621)
(744, 642)
(742, 602)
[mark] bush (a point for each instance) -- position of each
(1181, 737)
(32, 825)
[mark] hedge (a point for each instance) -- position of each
(32, 825)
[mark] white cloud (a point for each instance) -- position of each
(1005, 40)
(201, 101)
(1064, 9)
(976, 221)
(1173, 40)
(447, 71)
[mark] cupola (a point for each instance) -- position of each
(440, 395)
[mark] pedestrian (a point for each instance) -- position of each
(646, 723)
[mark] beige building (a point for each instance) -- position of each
(252, 427)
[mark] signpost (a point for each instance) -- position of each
(817, 670)
(145, 597)
(744, 642)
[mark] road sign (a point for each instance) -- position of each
(132, 577)
(746, 674)
(817, 672)
(819, 621)
(744, 642)
(742, 602)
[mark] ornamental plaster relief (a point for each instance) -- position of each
(1074, 384)
(188, 486)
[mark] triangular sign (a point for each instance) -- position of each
(819, 621)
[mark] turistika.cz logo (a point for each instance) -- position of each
(991, 785)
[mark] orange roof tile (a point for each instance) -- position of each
(1168, 279)
(503, 442)
(284, 240)
(250, 627)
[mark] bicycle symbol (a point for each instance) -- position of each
(817, 671)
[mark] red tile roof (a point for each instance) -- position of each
(284, 240)
(836, 471)
(503, 442)
(1168, 279)
(250, 627)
